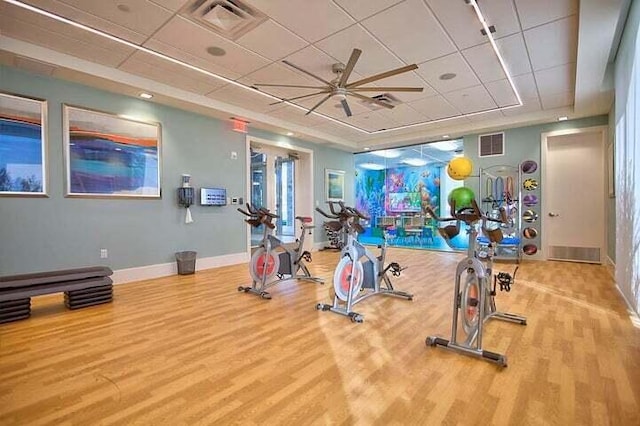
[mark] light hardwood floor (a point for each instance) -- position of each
(192, 350)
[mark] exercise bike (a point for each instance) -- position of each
(273, 258)
(360, 274)
(337, 227)
(474, 296)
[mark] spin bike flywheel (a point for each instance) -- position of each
(470, 303)
(264, 265)
(345, 270)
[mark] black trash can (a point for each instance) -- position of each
(186, 262)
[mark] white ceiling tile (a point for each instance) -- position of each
(557, 100)
(90, 20)
(333, 108)
(172, 5)
(373, 121)
(411, 31)
(432, 70)
(484, 62)
(149, 66)
(462, 24)
(472, 99)
(528, 105)
(526, 86)
(142, 16)
(403, 115)
(361, 9)
(278, 73)
(375, 58)
(24, 25)
(553, 44)
(486, 116)
(435, 107)
(537, 12)
(409, 79)
(244, 98)
(297, 116)
(271, 40)
(556, 80)
(192, 39)
(339, 130)
(181, 55)
(311, 20)
(514, 53)
(501, 92)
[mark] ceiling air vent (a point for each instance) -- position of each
(229, 18)
(387, 98)
(491, 145)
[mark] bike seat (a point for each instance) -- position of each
(304, 219)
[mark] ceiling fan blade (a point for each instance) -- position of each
(307, 73)
(300, 97)
(387, 89)
(318, 104)
(349, 68)
(382, 75)
(368, 99)
(346, 108)
(295, 86)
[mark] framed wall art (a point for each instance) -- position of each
(23, 146)
(110, 156)
(334, 184)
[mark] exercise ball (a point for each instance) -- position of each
(459, 168)
(462, 196)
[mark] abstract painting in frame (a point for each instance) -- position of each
(23, 146)
(110, 156)
(334, 184)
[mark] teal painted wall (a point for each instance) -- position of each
(57, 232)
(611, 202)
(523, 143)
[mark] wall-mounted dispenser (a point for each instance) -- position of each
(186, 196)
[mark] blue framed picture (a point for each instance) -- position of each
(110, 156)
(23, 146)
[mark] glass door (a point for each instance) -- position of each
(258, 190)
(285, 200)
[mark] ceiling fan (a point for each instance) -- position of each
(339, 87)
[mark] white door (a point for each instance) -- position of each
(574, 196)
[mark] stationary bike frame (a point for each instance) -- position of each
(267, 261)
(369, 275)
(478, 273)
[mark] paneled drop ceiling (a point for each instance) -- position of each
(538, 39)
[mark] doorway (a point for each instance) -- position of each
(280, 180)
(573, 215)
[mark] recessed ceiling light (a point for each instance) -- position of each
(216, 51)
(445, 136)
(563, 118)
(417, 162)
(448, 76)
(144, 95)
(366, 148)
(124, 8)
(371, 166)
(289, 133)
(387, 153)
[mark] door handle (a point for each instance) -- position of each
(551, 214)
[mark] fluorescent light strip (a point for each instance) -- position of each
(495, 49)
(169, 59)
(251, 89)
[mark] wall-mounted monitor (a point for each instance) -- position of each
(400, 202)
(213, 197)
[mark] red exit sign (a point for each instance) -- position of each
(239, 125)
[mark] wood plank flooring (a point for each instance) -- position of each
(192, 350)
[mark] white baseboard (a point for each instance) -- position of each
(148, 272)
(632, 309)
